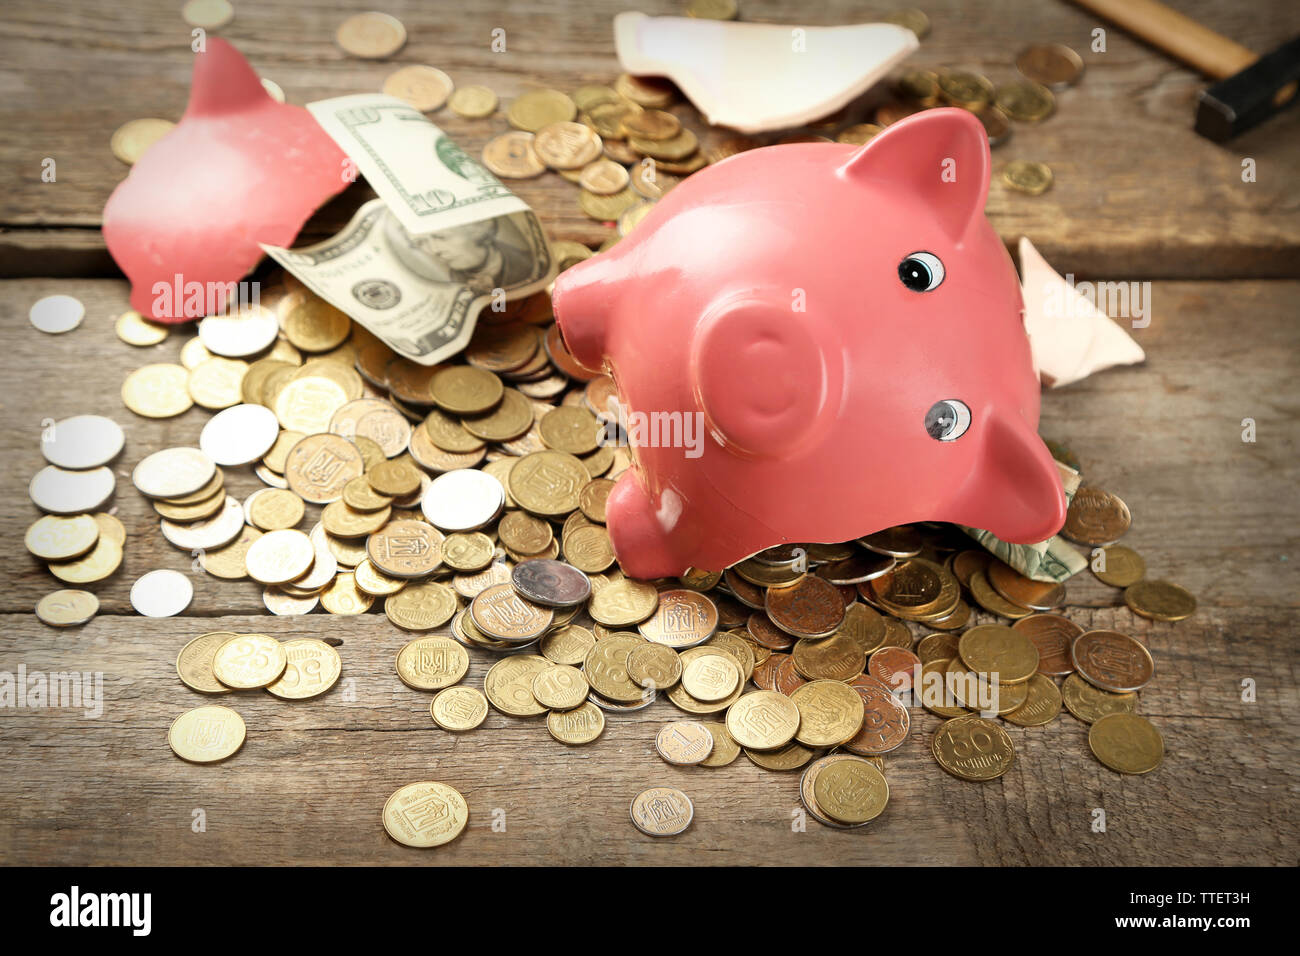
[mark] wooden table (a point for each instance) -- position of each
(1137, 195)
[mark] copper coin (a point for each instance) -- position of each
(1052, 635)
(1096, 517)
(683, 619)
(405, 548)
(764, 632)
(886, 721)
(788, 679)
(750, 595)
(1018, 589)
(966, 563)
(811, 607)
(501, 613)
(894, 667)
(1112, 661)
(549, 582)
(765, 672)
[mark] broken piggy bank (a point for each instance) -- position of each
(844, 325)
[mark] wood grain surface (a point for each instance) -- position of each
(1137, 195)
(1137, 192)
(1210, 512)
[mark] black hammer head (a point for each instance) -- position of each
(1265, 87)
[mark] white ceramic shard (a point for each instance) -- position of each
(754, 77)
(1069, 337)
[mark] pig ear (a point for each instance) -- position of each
(940, 157)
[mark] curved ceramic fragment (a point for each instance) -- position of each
(239, 169)
(1069, 337)
(754, 77)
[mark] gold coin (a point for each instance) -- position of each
(1025, 101)
(405, 549)
(566, 145)
(645, 91)
(313, 668)
(214, 383)
(1090, 704)
(431, 663)
(570, 429)
(682, 619)
(371, 36)
(396, 478)
(713, 9)
(134, 137)
(194, 662)
(56, 538)
(790, 757)
(1122, 567)
(421, 607)
(509, 685)
(111, 528)
(608, 208)
(465, 390)
(581, 725)
(711, 678)
(98, 563)
(512, 417)
(569, 644)
(993, 602)
(458, 708)
(343, 522)
(1160, 600)
(525, 534)
(342, 596)
(134, 329)
(1052, 64)
(424, 87)
(548, 483)
(206, 734)
(604, 177)
(360, 496)
(589, 549)
(468, 551)
(228, 563)
(305, 404)
(191, 512)
(560, 687)
(623, 603)
(473, 102)
(276, 509)
(662, 811)
(830, 713)
(974, 692)
(1027, 177)
(851, 791)
(313, 325)
(684, 743)
(512, 156)
(157, 391)
(539, 108)
(997, 649)
(606, 669)
(763, 720)
(449, 434)
(725, 749)
(249, 661)
(66, 607)
(425, 814)
(501, 613)
(208, 14)
(1042, 705)
(374, 582)
(1126, 743)
(654, 666)
(973, 748)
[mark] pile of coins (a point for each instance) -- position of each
(78, 543)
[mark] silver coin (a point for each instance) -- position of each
(550, 582)
(173, 473)
(64, 492)
(82, 441)
(240, 434)
(463, 500)
(57, 313)
(241, 333)
(210, 533)
(161, 593)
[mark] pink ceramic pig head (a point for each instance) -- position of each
(845, 326)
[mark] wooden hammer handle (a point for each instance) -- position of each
(1177, 35)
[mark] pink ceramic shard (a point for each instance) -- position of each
(1069, 336)
(237, 170)
(813, 342)
(755, 77)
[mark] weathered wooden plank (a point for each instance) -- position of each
(312, 777)
(1137, 192)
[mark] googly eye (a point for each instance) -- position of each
(921, 272)
(947, 420)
